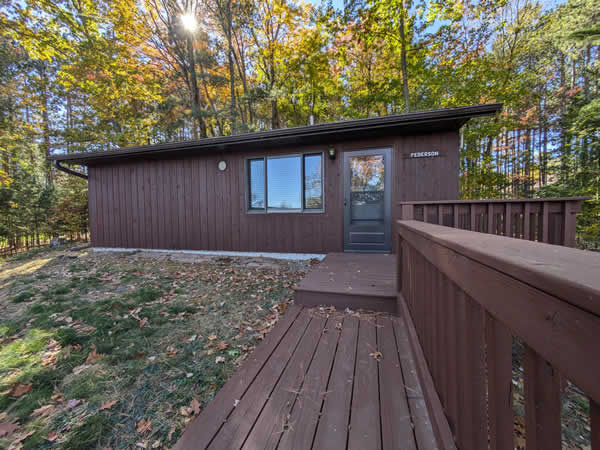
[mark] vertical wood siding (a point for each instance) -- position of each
(187, 203)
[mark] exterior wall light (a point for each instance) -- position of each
(332, 153)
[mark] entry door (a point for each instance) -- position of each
(367, 201)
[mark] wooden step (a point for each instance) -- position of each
(351, 280)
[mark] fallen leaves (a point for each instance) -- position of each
(52, 436)
(191, 339)
(143, 426)
(16, 444)
(52, 350)
(108, 405)
(195, 405)
(43, 411)
(376, 355)
(8, 428)
(73, 403)
(225, 307)
(186, 411)
(93, 356)
(19, 389)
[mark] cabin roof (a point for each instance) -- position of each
(432, 121)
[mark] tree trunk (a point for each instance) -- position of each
(403, 64)
(196, 104)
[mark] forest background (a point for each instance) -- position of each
(91, 75)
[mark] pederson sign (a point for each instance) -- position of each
(423, 154)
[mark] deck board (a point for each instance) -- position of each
(319, 385)
(211, 419)
(241, 421)
(307, 406)
(396, 424)
(273, 419)
(332, 429)
(365, 430)
(351, 280)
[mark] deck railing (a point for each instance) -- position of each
(550, 220)
(467, 298)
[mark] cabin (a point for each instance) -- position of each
(427, 313)
(316, 189)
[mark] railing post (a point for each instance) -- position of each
(455, 221)
(407, 212)
(507, 220)
(399, 260)
(542, 403)
(545, 220)
(526, 221)
(569, 224)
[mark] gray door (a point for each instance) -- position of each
(367, 201)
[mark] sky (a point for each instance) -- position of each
(338, 4)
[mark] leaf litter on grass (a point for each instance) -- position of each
(155, 333)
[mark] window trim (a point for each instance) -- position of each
(266, 209)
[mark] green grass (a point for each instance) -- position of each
(68, 308)
(23, 296)
(88, 434)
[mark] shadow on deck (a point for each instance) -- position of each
(351, 280)
(325, 380)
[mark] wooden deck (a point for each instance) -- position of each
(320, 380)
(351, 280)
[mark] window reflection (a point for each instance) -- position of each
(313, 186)
(367, 185)
(284, 182)
(257, 183)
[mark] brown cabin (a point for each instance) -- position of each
(479, 300)
(313, 189)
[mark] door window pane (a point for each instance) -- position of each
(256, 175)
(313, 181)
(367, 185)
(284, 182)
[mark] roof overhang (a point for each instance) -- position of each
(414, 123)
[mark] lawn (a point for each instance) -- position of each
(123, 350)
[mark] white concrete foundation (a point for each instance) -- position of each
(288, 256)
